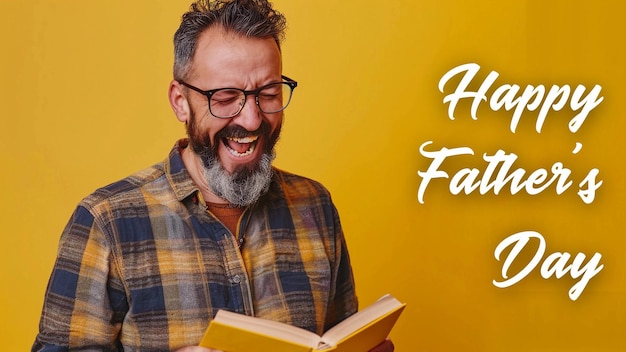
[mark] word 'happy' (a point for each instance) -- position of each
(530, 99)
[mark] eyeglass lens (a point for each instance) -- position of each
(271, 99)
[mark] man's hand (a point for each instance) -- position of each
(196, 349)
(386, 346)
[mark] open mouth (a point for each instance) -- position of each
(240, 146)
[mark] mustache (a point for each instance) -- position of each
(237, 131)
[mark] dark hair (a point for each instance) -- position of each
(248, 18)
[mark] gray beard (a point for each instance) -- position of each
(239, 188)
(247, 183)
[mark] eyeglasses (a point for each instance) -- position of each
(227, 103)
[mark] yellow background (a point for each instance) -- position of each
(83, 103)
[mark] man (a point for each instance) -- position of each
(146, 262)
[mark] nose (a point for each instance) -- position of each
(250, 116)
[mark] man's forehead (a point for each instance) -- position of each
(225, 58)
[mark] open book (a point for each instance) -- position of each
(233, 332)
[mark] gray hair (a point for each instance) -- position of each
(248, 18)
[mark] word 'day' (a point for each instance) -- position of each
(556, 264)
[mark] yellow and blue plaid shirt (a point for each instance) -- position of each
(142, 265)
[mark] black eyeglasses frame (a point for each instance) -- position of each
(254, 92)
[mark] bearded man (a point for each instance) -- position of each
(145, 263)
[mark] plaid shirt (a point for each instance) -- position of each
(142, 265)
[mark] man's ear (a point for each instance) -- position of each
(178, 101)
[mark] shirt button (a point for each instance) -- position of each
(237, 279)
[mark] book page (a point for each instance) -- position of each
(359, 320)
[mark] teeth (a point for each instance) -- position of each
(246, 153)
(248, 139)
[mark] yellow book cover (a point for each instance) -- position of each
(233, 332)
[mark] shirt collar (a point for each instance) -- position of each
(177, 174)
